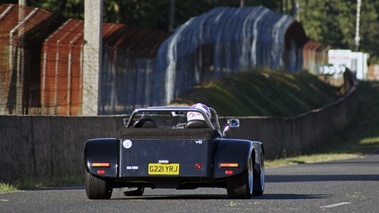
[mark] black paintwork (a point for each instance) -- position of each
(135, 148)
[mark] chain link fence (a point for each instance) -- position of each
(22, 32)
(41, 65)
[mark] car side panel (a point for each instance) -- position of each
(231, 151)
(102, 150)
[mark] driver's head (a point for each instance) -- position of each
(196, 115)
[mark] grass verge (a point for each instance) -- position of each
(37, 183)
(359, 138)
(263, 93)
(7, 187)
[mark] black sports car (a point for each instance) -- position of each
(174, 147)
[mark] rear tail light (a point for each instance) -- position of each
(228, 165)
(101, 164)
(198, 166)
(229, 172)
(101, 172)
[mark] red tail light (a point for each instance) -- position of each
(229, 172)
(101, 172)
(198, 166)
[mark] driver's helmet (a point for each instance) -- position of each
(196, 115)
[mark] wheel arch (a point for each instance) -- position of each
(232, 151)
(101, 150)
(258, 155)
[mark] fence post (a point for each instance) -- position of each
(92, 51)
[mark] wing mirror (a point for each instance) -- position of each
(231, 123)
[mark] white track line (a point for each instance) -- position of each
(335, 205)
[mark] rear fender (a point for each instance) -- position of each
(258, 146)
(101, 151)
(231, 151)
(259, 155)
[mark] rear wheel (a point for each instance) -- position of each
(97, 188)
(259, 179)
(241, 186)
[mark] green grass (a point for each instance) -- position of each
(263, 93)
(314, 158)
(46, 182)
(8, 187)
(360, 138)
(35, 183)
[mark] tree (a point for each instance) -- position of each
(67, 8)
(333, 23)
(329, 22)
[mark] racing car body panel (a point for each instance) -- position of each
(152, 152)
(232, 152)
(154, 158)
(138, 150)
(101, 157)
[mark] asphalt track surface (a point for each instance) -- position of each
(339, 186)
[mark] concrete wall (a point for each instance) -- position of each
(300, 134)
(48, 146)
(52, 146)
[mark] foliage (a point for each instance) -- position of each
(334, 23)
(155, 14)
(329, 22)
(8, 187)
(145, 13)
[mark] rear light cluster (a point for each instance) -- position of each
(228, 166)
(101, 165)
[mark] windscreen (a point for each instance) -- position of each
(168, 119)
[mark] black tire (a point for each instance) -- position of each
(241, 186)
(259, 179)
(138, 192)
(97, 188)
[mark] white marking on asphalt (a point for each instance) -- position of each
(335, 205)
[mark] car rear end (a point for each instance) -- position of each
(178, 158)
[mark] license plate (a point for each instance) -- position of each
(163, 169)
